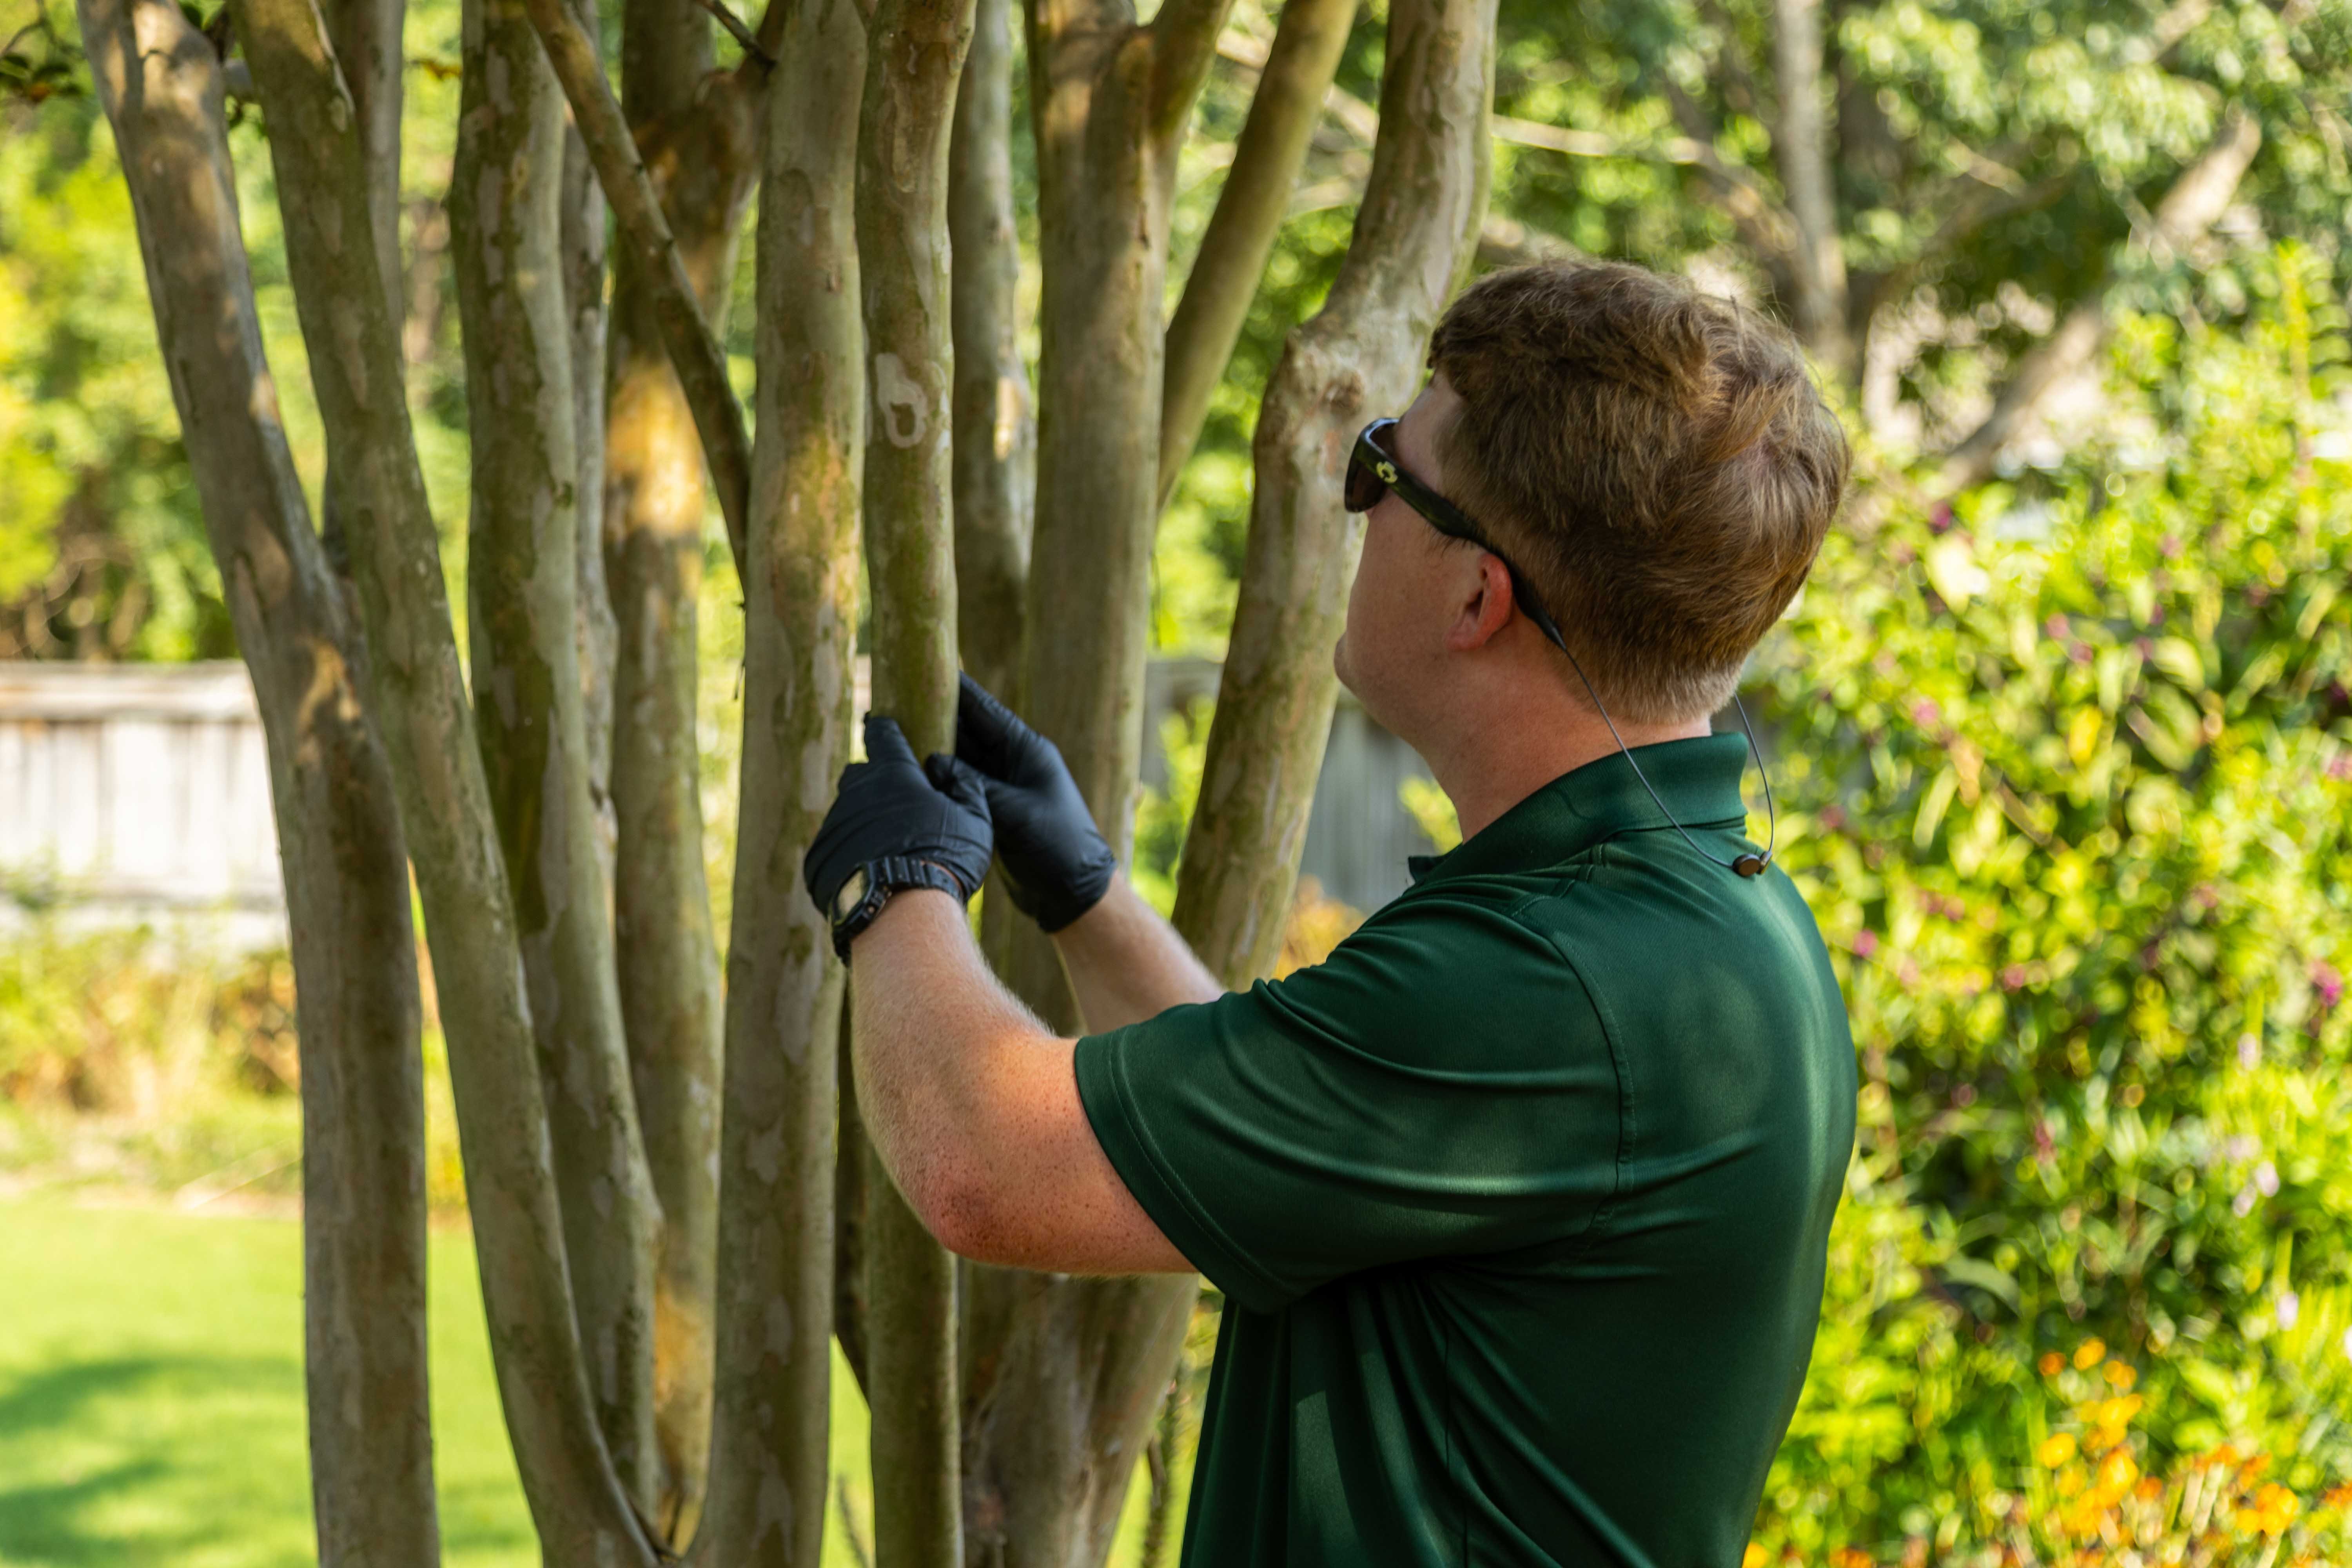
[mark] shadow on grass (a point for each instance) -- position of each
(141, 1459)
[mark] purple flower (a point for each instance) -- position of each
(1924, 713)
(2056, 628)
(2266, 1178)
(2250, 1051)
(2327, 983)
(1866, 943)
(2339, 766)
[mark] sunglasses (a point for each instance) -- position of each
(1373, 473)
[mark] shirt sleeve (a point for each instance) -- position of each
(1441, 1086)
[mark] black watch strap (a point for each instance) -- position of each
(872, 885)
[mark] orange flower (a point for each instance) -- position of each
(2051, 1363)
(2338, 1496)
(2148, 1490)
(2090, 1354)
(2121, 1377)
(1847, 1557)
(2055, 1449)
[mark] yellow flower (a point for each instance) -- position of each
(2121, 1377)
(2051, 1363)
(2092, 1353)
(2117, 1473)
(1754, 1557)
(2275, 1509)
(2055, 1449)
(2072, 1480)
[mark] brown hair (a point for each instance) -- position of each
(1658, 462)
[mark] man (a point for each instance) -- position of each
(1520, 1201)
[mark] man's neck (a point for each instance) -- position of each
(1497, 754)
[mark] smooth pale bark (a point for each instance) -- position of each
(1357, 359)
(577, 1501)
(995, 440)
(769, 1468)
(523, 585)
(331, 790)
(995, 458)
(915, 55)
(582, 242)
(1284, 112)
(1066, 1374)
(700, 148)
(646, 240)
(2191, 205)
(1801, 147)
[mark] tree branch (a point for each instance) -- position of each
(2194, 201)
(1284, 112)
(701, 363)
(1183, 41)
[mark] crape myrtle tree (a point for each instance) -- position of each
(672, 1206)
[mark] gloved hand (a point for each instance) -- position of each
(1057, 863)
(893, 817)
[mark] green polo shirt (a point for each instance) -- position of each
(1520, 1202)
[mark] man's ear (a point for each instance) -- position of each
(1485, 607)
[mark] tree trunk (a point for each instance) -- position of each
(1072, 1369)
(995, 440)
(701, 150)
(331, 789)
(1284, 112)
(577, 1500)
(995, 458)
(1800, 148)
(915, 55)
(1357, 359)
(769, 1468)
(582, 241)
(523, 582)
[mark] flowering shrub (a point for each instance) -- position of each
(2062, 768)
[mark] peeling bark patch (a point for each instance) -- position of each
(896, 394)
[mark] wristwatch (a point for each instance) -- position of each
(871, 886)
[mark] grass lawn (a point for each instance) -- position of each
(150, 1397)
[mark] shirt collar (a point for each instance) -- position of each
(1697, 780)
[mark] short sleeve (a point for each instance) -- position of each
(1441, 1086)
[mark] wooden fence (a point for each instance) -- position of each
(138, 794)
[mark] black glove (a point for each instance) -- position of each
(1056, 864)
(902, 824)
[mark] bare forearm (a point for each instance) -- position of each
(930, 1026)
(1125, 964)
(973, 1106)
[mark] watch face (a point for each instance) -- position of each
(852, 892)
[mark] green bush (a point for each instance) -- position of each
(2063, 772)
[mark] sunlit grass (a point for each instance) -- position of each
(151, 1410)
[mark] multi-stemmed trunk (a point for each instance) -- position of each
(656, 1219)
